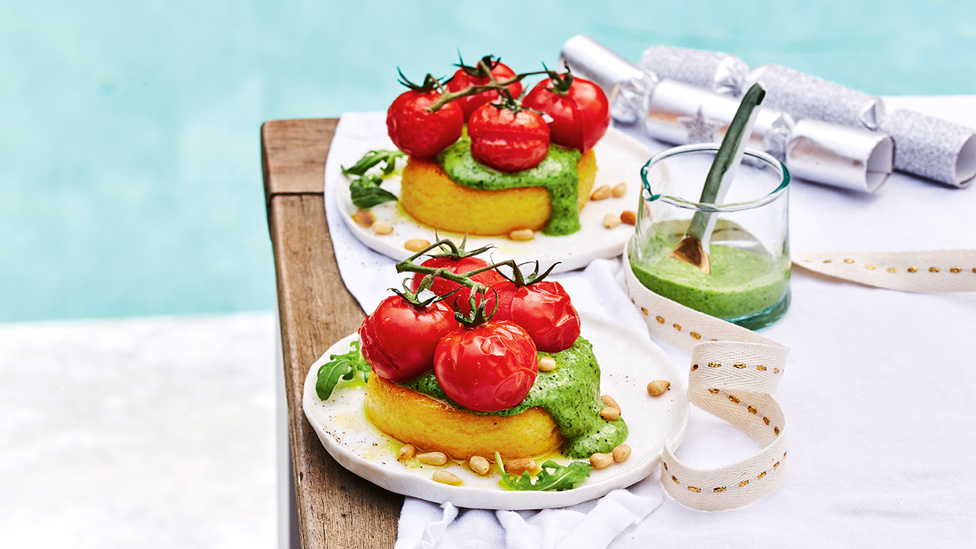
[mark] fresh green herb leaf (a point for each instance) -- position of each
(374, 158)
(552, 476)
(340, 367)
(366, 192)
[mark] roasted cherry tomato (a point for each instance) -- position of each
(488, 367)
(398, 340)
(466, 76)
(506, 139)
(419, 133)
(579, 110)
(545, 311)
(442, 286)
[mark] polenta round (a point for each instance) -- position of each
(429, 195)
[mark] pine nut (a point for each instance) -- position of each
(382, 228)
(609, 401)
(415, 244)
(619, 190)
(522, 234)
(600, 461)
(519, 466)
(621, 453)
(658, 387)
(601, 192)
(610, 413)
(611, 220)
(432, 458)
(446, 477)
(407, 451)
(628, 217)
(479, 465)
(364, 218)
(547, 364)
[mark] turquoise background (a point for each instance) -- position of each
(129, 151)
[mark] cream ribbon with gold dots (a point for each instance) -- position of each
(734, 371)
(932, 271)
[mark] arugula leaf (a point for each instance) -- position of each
(374, 158)
(340, 366)
(552, 476)
(366, 192)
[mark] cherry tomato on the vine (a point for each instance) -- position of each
(488, 367)
(465, 77)
(506, 139)
(399, 339)
(442, 286)
(545, 311)
(579, 110)
(419, 133)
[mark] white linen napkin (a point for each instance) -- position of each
(879, 447)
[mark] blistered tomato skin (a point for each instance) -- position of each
(580, 117)
(487, 368)
(507, 140)
(398, 340)
(442, 286)
(419, 133)
(462, 80)
(545, 311)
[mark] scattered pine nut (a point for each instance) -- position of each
(415, 244)
(601, 461)
(446, 477)
(521, 465)
(610, 413)
(628, 217)
(547, 364)
(364, 218)
(609, 401)
(407, 451)
(621, 453)
(382, 227)
(603, 191)
(479, 465)
(432, 458)
(619, 190)
(657, 388)
(522, 234)
(611, 220)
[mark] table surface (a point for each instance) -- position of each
(335, 507)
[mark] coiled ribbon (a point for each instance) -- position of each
(735, 371)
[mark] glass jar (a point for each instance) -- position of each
(748, 249)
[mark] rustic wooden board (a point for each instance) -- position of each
(335, 507)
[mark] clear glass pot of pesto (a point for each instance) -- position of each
(749, 250)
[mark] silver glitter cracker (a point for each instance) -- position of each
(805, 96)
(715, 71)
(932, 147)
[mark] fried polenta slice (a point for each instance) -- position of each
(431, 197)
(432, 425)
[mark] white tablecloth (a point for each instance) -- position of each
(878, 392)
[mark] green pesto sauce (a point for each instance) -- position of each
(571, 395)
(556, 173)
(742, 281)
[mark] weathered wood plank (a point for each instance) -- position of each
(335, 507)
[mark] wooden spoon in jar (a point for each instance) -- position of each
(693, 247)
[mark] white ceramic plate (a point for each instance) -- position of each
(628, 361)
(619, 159)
